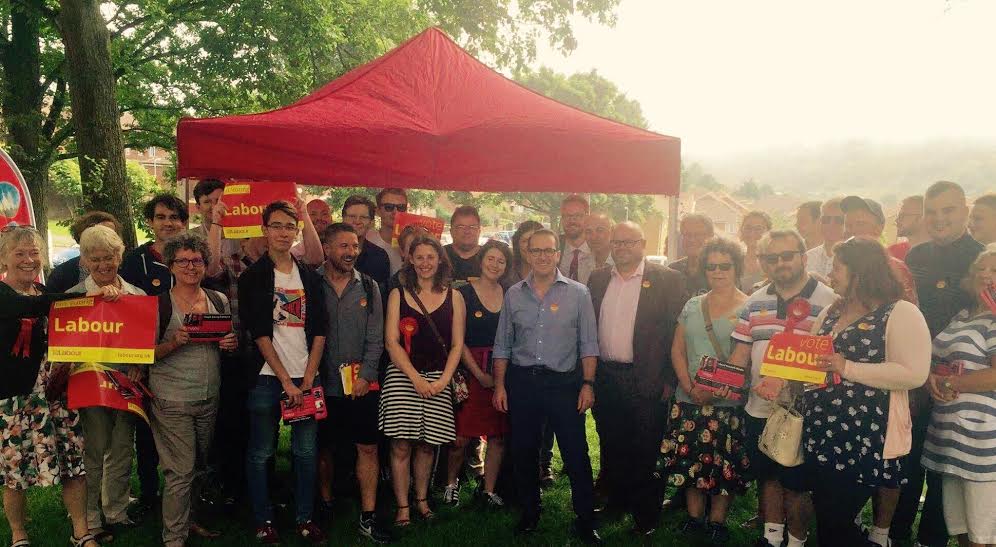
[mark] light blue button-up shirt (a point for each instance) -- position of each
(552, 332)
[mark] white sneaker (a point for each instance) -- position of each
(451, 495)
(494, 500)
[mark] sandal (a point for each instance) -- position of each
(82, 541)
(21, 543)
(427, 514)
(401, 523)
(102, 535)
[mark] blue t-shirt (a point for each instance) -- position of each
(697, 343)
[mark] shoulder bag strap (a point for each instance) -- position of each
(428, 318)
(720, 354)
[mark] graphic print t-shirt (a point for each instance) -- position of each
(289, 310)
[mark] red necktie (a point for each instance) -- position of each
(573, 272)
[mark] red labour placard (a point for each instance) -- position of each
(91, 329)
(246, 201)
(432, 225)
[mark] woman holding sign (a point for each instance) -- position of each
(42, 440)
(704, 451)
(963, 384)
(416, 408)
(857, 429)
(185, 381)
(110, 433)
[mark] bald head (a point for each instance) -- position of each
(597, 229)
(627, 245)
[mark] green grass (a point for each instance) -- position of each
(469, 524)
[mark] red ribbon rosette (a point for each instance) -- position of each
(798, 310)
(408, 326)
(989, 296)
(22, 345)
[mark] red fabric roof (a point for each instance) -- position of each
(429, 115)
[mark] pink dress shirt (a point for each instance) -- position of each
(617, 318)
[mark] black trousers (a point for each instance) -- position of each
(630, 429)
(231, 437)
(535, 397)
(836, 502)
(933, 531)
(147, 458)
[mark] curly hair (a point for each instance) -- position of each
(186, 242)
(441, 279)
(724, 246)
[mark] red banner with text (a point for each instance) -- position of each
(93, 384)
(91, 329)
(246, 201)
(431, 224)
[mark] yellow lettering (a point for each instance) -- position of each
(82, 325)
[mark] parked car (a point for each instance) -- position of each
(657, 259)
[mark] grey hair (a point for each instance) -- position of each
(189, 242)
(100, 238)
(14, 237)
(762, 246)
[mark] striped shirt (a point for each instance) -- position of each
(961, 439)
(765, 314)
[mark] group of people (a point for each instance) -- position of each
(429, 353)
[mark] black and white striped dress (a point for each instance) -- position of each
(403, 413)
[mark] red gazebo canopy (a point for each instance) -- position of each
(429, 115)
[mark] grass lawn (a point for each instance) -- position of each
(467, 525)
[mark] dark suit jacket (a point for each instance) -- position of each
(656, 318)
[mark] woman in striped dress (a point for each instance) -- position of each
(961, 439)
(416, 405)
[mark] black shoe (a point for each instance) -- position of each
(587, 534)
(547, 477)
(676, 501)
(718, 534)
(691, 526)
(325, 509)
(370, 530)
(761, 542)
(527, 525)
(640, 531)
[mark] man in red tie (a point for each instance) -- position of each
(576, 259)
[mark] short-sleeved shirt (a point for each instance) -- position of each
(698, 344)
(819, 261)
(961, 432)
(553, 332)
(765, 314)
(290, 308)
(464, 269)
(193, 371)
(938, 271)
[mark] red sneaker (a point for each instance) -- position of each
(312, 533)
(267, 534)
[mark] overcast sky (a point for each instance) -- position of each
(737, 76)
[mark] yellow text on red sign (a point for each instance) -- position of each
(91, 329)
(793, 357)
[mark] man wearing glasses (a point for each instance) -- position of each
(637, 305)
(783, 258)
(282, 308)
(465, 227)
(546, 328)
(390, 202)
(358, 212)
(909, 225)
(577, 261)
(819, 260)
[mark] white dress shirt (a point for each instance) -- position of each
(586, 261)
(819, 261)
(617, 317)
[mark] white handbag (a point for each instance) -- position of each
(781, 439)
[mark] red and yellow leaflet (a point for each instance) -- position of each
(91, 329)
(246, 201)
(432, 225)
(93, 384)
(793, 357)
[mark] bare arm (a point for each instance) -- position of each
(679, 359)
(218, 213)
(456, 338)
(392, 340)
(313, 252)
(977, 381)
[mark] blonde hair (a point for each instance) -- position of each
(100, 238)
(968, 284)
(10, 239)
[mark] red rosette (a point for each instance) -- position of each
(989, 296)
(408, 327)
(798, 310)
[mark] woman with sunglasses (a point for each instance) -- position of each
(110, 434)
(704, 450)
(41, 441)
(185, 382)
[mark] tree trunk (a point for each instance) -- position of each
(95, 112)
(22, 102)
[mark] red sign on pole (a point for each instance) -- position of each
(15, 201)
(91, 329)
(246, 201)
(431, 224)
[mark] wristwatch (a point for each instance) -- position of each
(590, 383)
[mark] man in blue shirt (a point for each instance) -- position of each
(547, 324)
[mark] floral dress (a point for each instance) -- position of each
(845, 424)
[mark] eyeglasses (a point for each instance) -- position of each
(466, 227)
(627, 243)
(392, 207)
(188, 262)
(724, 267)
(276, 226)
(11, 227)
(548, 252)
(832, 219)
(784, 256)
(355, 218)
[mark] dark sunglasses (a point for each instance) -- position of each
(832, 220)
(391, 207)
(724, 267)
(784, 256)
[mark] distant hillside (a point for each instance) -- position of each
(884, 172)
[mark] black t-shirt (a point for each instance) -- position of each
(374, 262)
(938, 271)
(463, 268)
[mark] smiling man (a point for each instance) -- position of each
(390, 202)
(358, 212)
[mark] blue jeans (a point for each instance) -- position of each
(264, 423)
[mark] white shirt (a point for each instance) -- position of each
(617, 317)
(586, 261)
(819, 261)
(393, 254)
(289, 310)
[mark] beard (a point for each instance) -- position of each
(786, 277)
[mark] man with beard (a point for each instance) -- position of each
(465, 227)
(783, 257)
(355, 337)
(577, 260)
(909, 224)
(938, 267)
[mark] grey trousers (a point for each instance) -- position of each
(183, 431)
(110, 436)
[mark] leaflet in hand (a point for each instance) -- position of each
(713, 375)
(349, 372)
